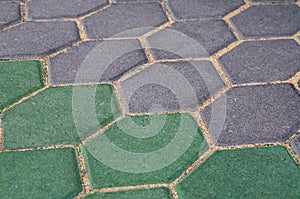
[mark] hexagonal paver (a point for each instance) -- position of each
(162, 193)
(44, 9)
(170, 86)
(49, 117)
(36, 39)
(50, 173)
(10, 13)
(124, 17)
(18, 79)
(202, 9)
(260, 21)
(262, 61)
(256, 114)
(64, 68)
(268, 172)
(296, 145)
(200, 39)
(143, 150)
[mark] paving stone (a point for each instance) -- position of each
(124, 17)
(262, 61)
(202, 9)
(170, 86)
(257, 114)
(162, 193)
(273, 0)
(137, 150)
(36, 39)
(65, 67)
(260, 21)
(49, 117)
(44, 9)
(268, 172)
(296, 145)
(201, 39)
(10, 14)
(48, 173)
(18, 79)
(135, 1)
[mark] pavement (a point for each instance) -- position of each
(149, 99)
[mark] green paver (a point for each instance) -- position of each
(18, 79)
(47, 118)
(50, 173)
(179, 133)
(268, 172)
(159, 193)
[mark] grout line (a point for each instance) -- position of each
(119, 99)
(127, 188)
(23, 12)
(268, 3)
(134, 72)
(11, 26)
(261, 83)
(95, 12)
(173, 192)
(157, 29)
(148, 53)
(24, 99)
(83, 173)
(248, 146)
(53, 20)
(81, 30)
(219, 70)
(1, 138)
(45, 69)
(192, 167)
(181, 60)
(227, 49)
(40, 148)
(293, 154)
(267, 38)
(102, 130)
(64, 50)
(294, 80)
(292, 137)
(166, 11)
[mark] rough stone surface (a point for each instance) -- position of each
(201, 39)
(268, 21)
(10, 13)
(49, 117)
(48, 173)
(65, 67)
(268, 172)
(124, 17)
(202, 9)
(44, 9)
(257, 114)
(296, 145)
(161, 193)
(170, 86)
(136, 1)
(262, 61)
(273, 0)
(36, 39)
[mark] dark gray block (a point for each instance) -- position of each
(64, 68)
(135, 1)
(45, 9)
(262, 61)
(256, 114)
(36, 39)
(191, 39)
(273, 0)
(10, 13)
(268, 21)
(202, 9)
(296, 145)
(170, 86)
(124, 17)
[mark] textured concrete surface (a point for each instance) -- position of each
(10, 13)
(296, 145)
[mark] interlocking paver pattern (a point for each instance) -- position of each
(44, 9)
(262, 61)
(268, 113)
(9, 14)
(268, 21)
(149, 99)
(36, 39)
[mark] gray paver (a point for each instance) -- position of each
(296, 145)
(170, 86)
(124, 17)
(202, 9)
(211, 35)
(257, 114)
(135, 1)
(35, 39)
(273, 0)
(10, 13)
(268, 21)
(64, 67)
(262, 61)
(45, 9)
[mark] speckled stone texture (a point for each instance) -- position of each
(257, 114)
(296, 145)
(10, 13)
